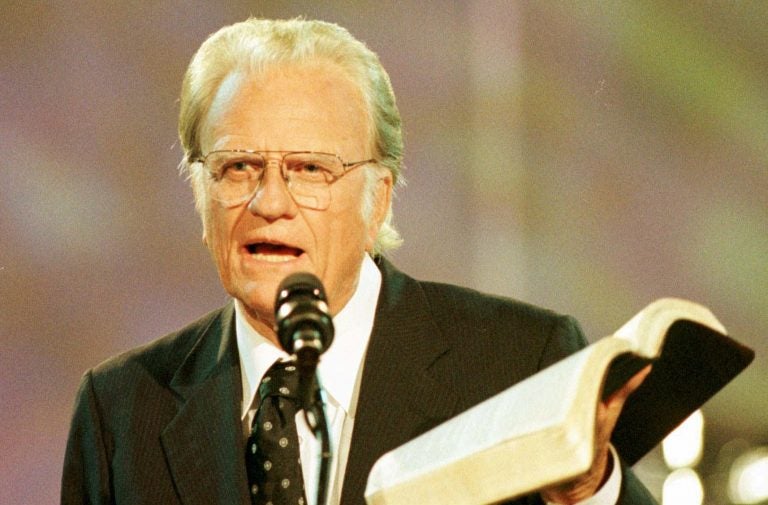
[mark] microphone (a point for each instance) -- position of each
(302, 321)
(304, 328)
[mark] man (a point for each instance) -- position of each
(293, 145)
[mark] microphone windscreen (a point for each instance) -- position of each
(300, 283)
(301, 306)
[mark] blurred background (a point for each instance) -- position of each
(589, 157)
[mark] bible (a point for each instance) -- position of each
(541, 431)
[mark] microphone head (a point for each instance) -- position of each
(301, 307)
(300, 283)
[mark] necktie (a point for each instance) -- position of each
(272, 452)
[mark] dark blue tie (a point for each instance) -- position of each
(272, 452)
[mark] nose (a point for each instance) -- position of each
(272, 199)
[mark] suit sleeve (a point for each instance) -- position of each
(86, 476)
(633, 492)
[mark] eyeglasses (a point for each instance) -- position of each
(237, 174)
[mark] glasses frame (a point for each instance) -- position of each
(346, 168)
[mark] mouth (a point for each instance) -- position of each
(273, 252)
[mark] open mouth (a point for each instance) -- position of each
(275, 253)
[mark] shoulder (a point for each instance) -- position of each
(158, 359)
(509, 325)
(496, 340)
(483, 326)
(460, 310)
(465, 304)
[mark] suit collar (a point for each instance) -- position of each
(204, 443)
(215, 348)
(400, 396)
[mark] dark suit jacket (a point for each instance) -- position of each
(160, 424)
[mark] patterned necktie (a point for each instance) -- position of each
(272, 452)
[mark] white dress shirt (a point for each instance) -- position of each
(339, 372)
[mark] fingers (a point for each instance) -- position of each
(621, 394)
(609, 410)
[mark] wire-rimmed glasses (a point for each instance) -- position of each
(237, 174)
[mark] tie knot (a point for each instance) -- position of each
(281, 379)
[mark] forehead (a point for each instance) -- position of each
(292, 106)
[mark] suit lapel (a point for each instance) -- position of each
(204, 443)
(399, 397)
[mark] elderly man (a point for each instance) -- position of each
(293, 145)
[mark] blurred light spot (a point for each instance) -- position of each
(682, 487)
(683, 447)
(748, 482)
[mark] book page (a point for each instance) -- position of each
(647, 329)
(550, 414)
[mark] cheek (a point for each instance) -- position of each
(352, 239)
(343, 232)
(217, 227)
(351, 224)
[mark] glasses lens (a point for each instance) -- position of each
(309, 176)
(235, 175)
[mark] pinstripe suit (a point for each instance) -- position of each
(160, 423)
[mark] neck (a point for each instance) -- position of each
(264, 327)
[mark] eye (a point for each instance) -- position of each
(310, 167)
(309, 172)
(242, 168)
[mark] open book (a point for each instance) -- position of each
(541, 431)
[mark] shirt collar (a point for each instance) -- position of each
(339, 366)
(256, 354)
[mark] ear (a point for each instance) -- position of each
(382, 199)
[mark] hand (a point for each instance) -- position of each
(608, 412)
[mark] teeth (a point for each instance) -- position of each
(273, 258)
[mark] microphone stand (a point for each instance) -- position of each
(314, 410)
(318, 423)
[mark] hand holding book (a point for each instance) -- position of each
(608, 411)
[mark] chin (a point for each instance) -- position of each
(259, 296)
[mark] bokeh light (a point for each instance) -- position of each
(683, 447)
